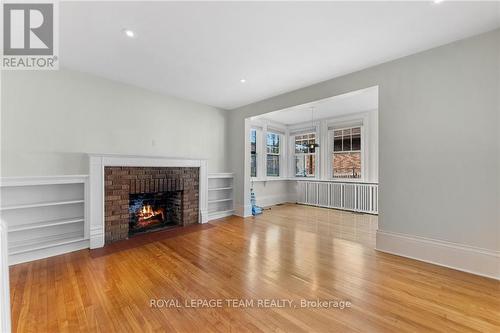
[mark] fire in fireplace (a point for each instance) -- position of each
(148, 215)
(154, 210)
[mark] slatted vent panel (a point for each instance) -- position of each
(358, 197)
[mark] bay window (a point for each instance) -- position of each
(346, 155)
(336, 148)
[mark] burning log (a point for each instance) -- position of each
(148, 214)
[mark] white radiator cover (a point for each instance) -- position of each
(356, 197)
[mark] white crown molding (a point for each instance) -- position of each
(461, 257)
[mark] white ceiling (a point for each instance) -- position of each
(340, 105)
(200, 51)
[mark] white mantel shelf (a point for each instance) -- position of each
(97, 162)
(144, 156)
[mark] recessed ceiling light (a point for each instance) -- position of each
(438, 1)
(243, 80)
(129, 33)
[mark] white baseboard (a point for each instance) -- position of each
(266, 201)
(272, 200)
(219, 215)
(48, 252)
(204, 216)
(452, 255)
(242, 210)
(96, 237)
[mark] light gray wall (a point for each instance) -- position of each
(274, 192)
(50, 119)
(438, 139)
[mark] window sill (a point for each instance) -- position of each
(332, 180)
(305, 179)
(269, 179)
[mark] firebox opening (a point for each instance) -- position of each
(154, 211)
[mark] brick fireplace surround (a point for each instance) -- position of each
(119, 167)
(119, 182)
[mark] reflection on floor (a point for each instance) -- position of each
(290, 254)
(359, 228)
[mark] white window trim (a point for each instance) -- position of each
(324, 137)
(304, 128)
(362, 151)
(293, 153)
(263, 127)
(258, 152)
(282, 138)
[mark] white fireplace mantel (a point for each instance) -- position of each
(97, 162)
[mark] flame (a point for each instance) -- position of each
(147, 215)
(147, 210)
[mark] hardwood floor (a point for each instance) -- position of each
(290, 252)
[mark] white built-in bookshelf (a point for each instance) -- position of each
(220, 195)
(45, 216)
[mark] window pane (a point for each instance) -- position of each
(253, 165)
(273, 165)
(253, 141)
(345, 162)
(305, 165)
(346, 143)
(300, 167)
(304, 146)
(356, 142)
(310, 143)
(304, 158)
(297, 144)
(346, 165)
(300, 146)
(253, 153)
(337, 144)
(273, 143)
(310, 165)
(303, 142)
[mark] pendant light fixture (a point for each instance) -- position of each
(313, 146)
